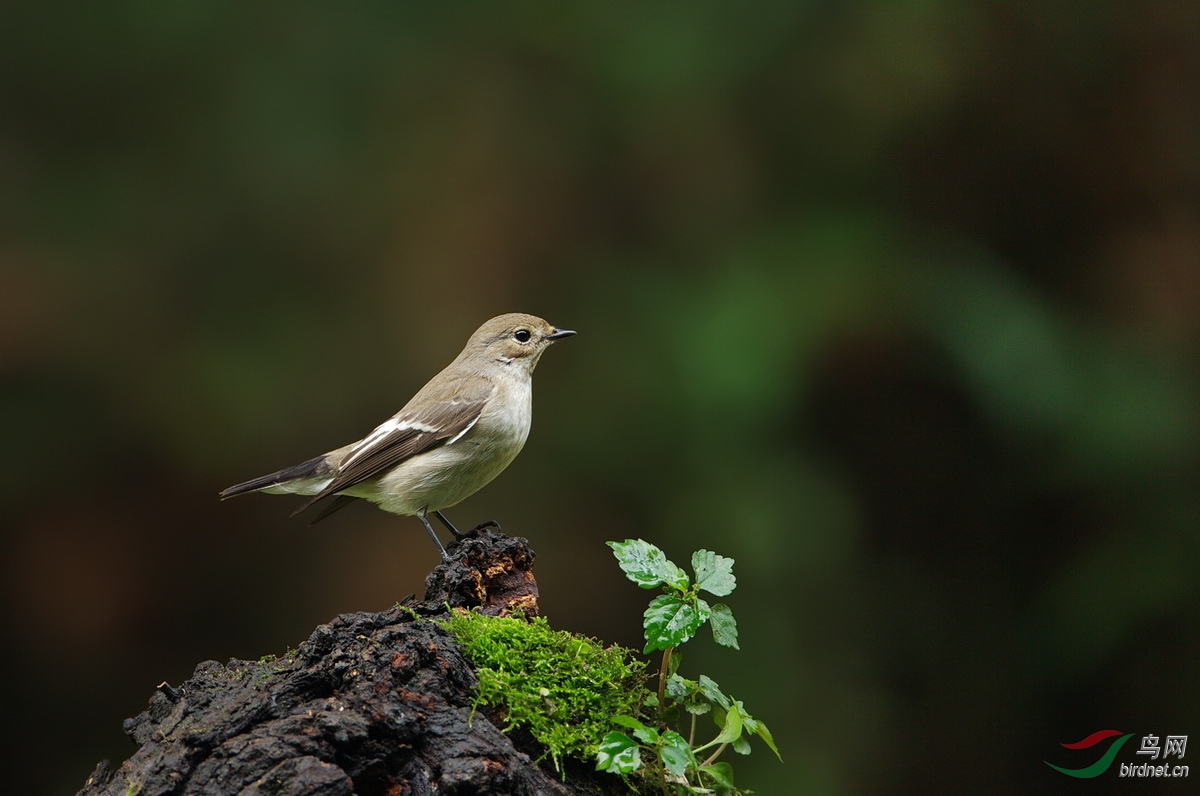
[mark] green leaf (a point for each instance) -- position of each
(640, 731)
(627, 721)
(619, 754)
(714, 573)
(679, 687)
(724, 626)
(732, 729)
(712, 692)
(765, 734)
(670, 621)
(741, 745)
(675, 753)
(647, 565)
(720, 773)
(673, 662)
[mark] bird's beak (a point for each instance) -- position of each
(559, 334)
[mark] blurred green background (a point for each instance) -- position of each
(894, 303)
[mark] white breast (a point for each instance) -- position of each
(450, 473)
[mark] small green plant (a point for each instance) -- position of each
(673, 618)
(563, 688)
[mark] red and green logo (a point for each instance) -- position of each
(1101, 765)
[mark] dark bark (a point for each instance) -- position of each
(371, 704)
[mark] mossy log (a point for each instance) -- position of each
(375, 704)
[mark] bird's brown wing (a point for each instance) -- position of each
(401, 438)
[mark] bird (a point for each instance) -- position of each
(453, 437)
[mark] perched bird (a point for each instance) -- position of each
(455, 435)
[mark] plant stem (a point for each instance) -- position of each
(662, 682)
(713, 757)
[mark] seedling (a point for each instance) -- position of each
(672, 619)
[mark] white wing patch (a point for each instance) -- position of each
(369, 441)
(460, 434)
(382, 432)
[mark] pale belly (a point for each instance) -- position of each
(441, 477)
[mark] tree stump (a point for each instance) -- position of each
(375, 704)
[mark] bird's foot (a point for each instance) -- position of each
(483, 526)
(459, 535)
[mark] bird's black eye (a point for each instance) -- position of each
(521, 335)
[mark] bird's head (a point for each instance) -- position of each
(515, 338)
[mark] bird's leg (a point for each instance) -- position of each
(433, 535)
(449, 526)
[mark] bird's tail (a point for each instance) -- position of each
(303, 478)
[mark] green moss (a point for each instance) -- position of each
(564, 689)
